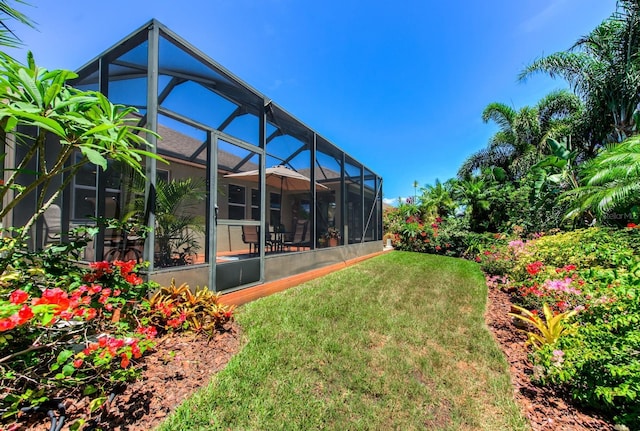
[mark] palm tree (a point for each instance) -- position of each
(8, 13)
(518, 144)
(473, 193)
(177, 203)
(603, 68)
(437, 199)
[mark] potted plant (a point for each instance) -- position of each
(332, 236)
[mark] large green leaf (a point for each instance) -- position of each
(40, 121)
(94, 157)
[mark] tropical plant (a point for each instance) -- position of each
(473, 193)
(603, 68)
(518, 143)
(549, 330)
(436, 199)
(177, 218)
(8, 13)
(611, 184)
(173, 307)
(82, 121)
(332, 233)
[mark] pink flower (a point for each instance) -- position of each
(558, 357)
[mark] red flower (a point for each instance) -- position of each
(102, 341)
(133, 279)
(91, 313)
(92, 347)
(438, 220)
(535, 267)
(148, 331)
(78, 363)
(135, 351)
(18, 296)
(125, 267)
(67, 315)
(438, 248)
(101, 266)
(56, 297)
(7, 324)
(124, 363)
(632, 225)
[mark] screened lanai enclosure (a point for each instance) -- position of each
(250, 194)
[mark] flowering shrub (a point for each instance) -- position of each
(601, 366)
(584, 248)
(431, 235)
(51, 314)
(496, 260)
(594, 274)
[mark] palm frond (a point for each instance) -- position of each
(8, 13)
(501, 114)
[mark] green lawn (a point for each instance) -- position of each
(396, 342)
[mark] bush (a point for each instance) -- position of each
(68, 330)
(584, 248)
(596, 273)
(601, 365)
(176, 307)
(414, 231)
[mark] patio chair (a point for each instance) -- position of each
(250, 236)
(299, 236)
(52, 224)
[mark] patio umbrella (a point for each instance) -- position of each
(279, 176)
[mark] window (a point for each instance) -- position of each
(236, 202)
(162, 175)
(255, 204)
(85, 190)
(274, 207)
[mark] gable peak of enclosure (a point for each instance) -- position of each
(220, 213)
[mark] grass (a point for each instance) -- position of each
(396, 342)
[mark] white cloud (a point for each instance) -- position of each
(389, 201)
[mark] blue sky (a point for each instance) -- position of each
(399, 86)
